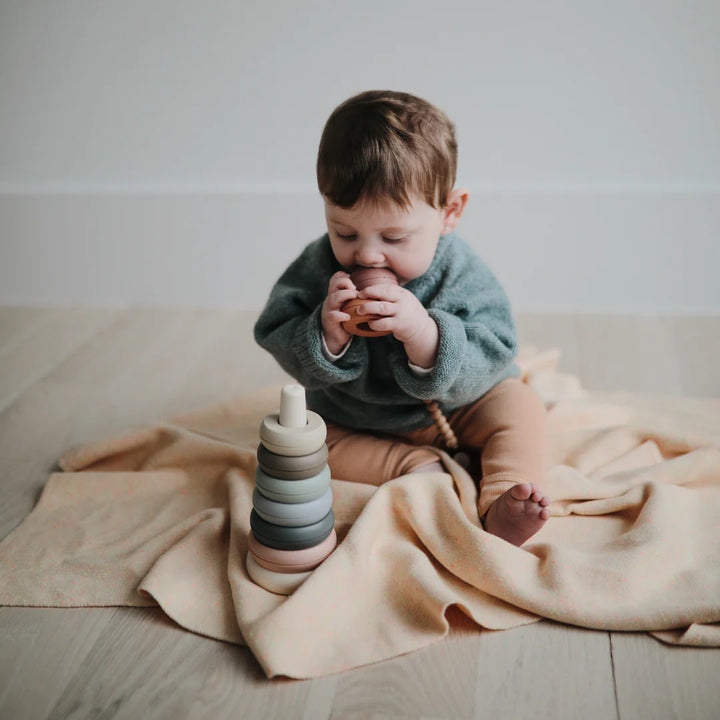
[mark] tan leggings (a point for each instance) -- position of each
(504, 433)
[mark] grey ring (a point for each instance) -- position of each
(288, 467)
(291, 538)
(292, 514)
(292, 491)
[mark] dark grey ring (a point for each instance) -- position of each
(291, 538)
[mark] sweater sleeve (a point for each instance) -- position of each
(289, 327)
(477, 341)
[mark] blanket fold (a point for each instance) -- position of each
(161, 516)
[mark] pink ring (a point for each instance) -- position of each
(279, 568)
(293, 558)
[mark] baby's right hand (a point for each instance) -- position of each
(340, 290)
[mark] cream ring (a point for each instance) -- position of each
(293, 440)
(278, 583)
(292, 491)
(290, 558)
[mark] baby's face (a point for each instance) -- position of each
(367, 235)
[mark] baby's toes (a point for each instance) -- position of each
(522, 491)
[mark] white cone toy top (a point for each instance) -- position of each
(294, 430)
(292, 407)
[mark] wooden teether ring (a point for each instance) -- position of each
(358, 324)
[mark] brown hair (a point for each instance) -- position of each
(384, 146)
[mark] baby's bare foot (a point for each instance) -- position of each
(517, 514)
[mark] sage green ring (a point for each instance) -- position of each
(292, 514)
(292, 491)
(292, 440)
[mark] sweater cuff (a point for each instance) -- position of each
(326, 350)
(451, 353)
(311, 354)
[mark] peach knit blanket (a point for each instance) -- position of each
(161, 516)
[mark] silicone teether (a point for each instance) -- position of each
(363, 278)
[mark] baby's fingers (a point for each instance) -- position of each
(339, 297)
(340, 281)
(337, 316)
(377, 307)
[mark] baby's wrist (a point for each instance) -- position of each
(422, 348)
(334, 346)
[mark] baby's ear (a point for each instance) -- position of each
(453, 210)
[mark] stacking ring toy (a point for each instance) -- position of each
(282, 537)
(297, 467)
(292, 559)
(275, 582)
(358, 324)
(292, 491)
(292, 514)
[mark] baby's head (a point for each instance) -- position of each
(387, 147)
(386, 168)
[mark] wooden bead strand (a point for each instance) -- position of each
(443, 425)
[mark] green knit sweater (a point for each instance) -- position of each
(371, 386)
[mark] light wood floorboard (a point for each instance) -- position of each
(71, 376)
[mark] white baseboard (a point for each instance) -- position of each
(561, 251)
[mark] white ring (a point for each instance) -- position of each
(275, 582)
(293, 441)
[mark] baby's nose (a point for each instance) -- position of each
(368, 255)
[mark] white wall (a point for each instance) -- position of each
(163, 151)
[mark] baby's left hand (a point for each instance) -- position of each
(406, 318)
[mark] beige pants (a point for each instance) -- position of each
(504, 433)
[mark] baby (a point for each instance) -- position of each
(386, 170)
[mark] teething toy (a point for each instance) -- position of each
(363, 278)
(292, 521)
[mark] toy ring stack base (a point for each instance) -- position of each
(283, 571)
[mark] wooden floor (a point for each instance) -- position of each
(70, 376)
